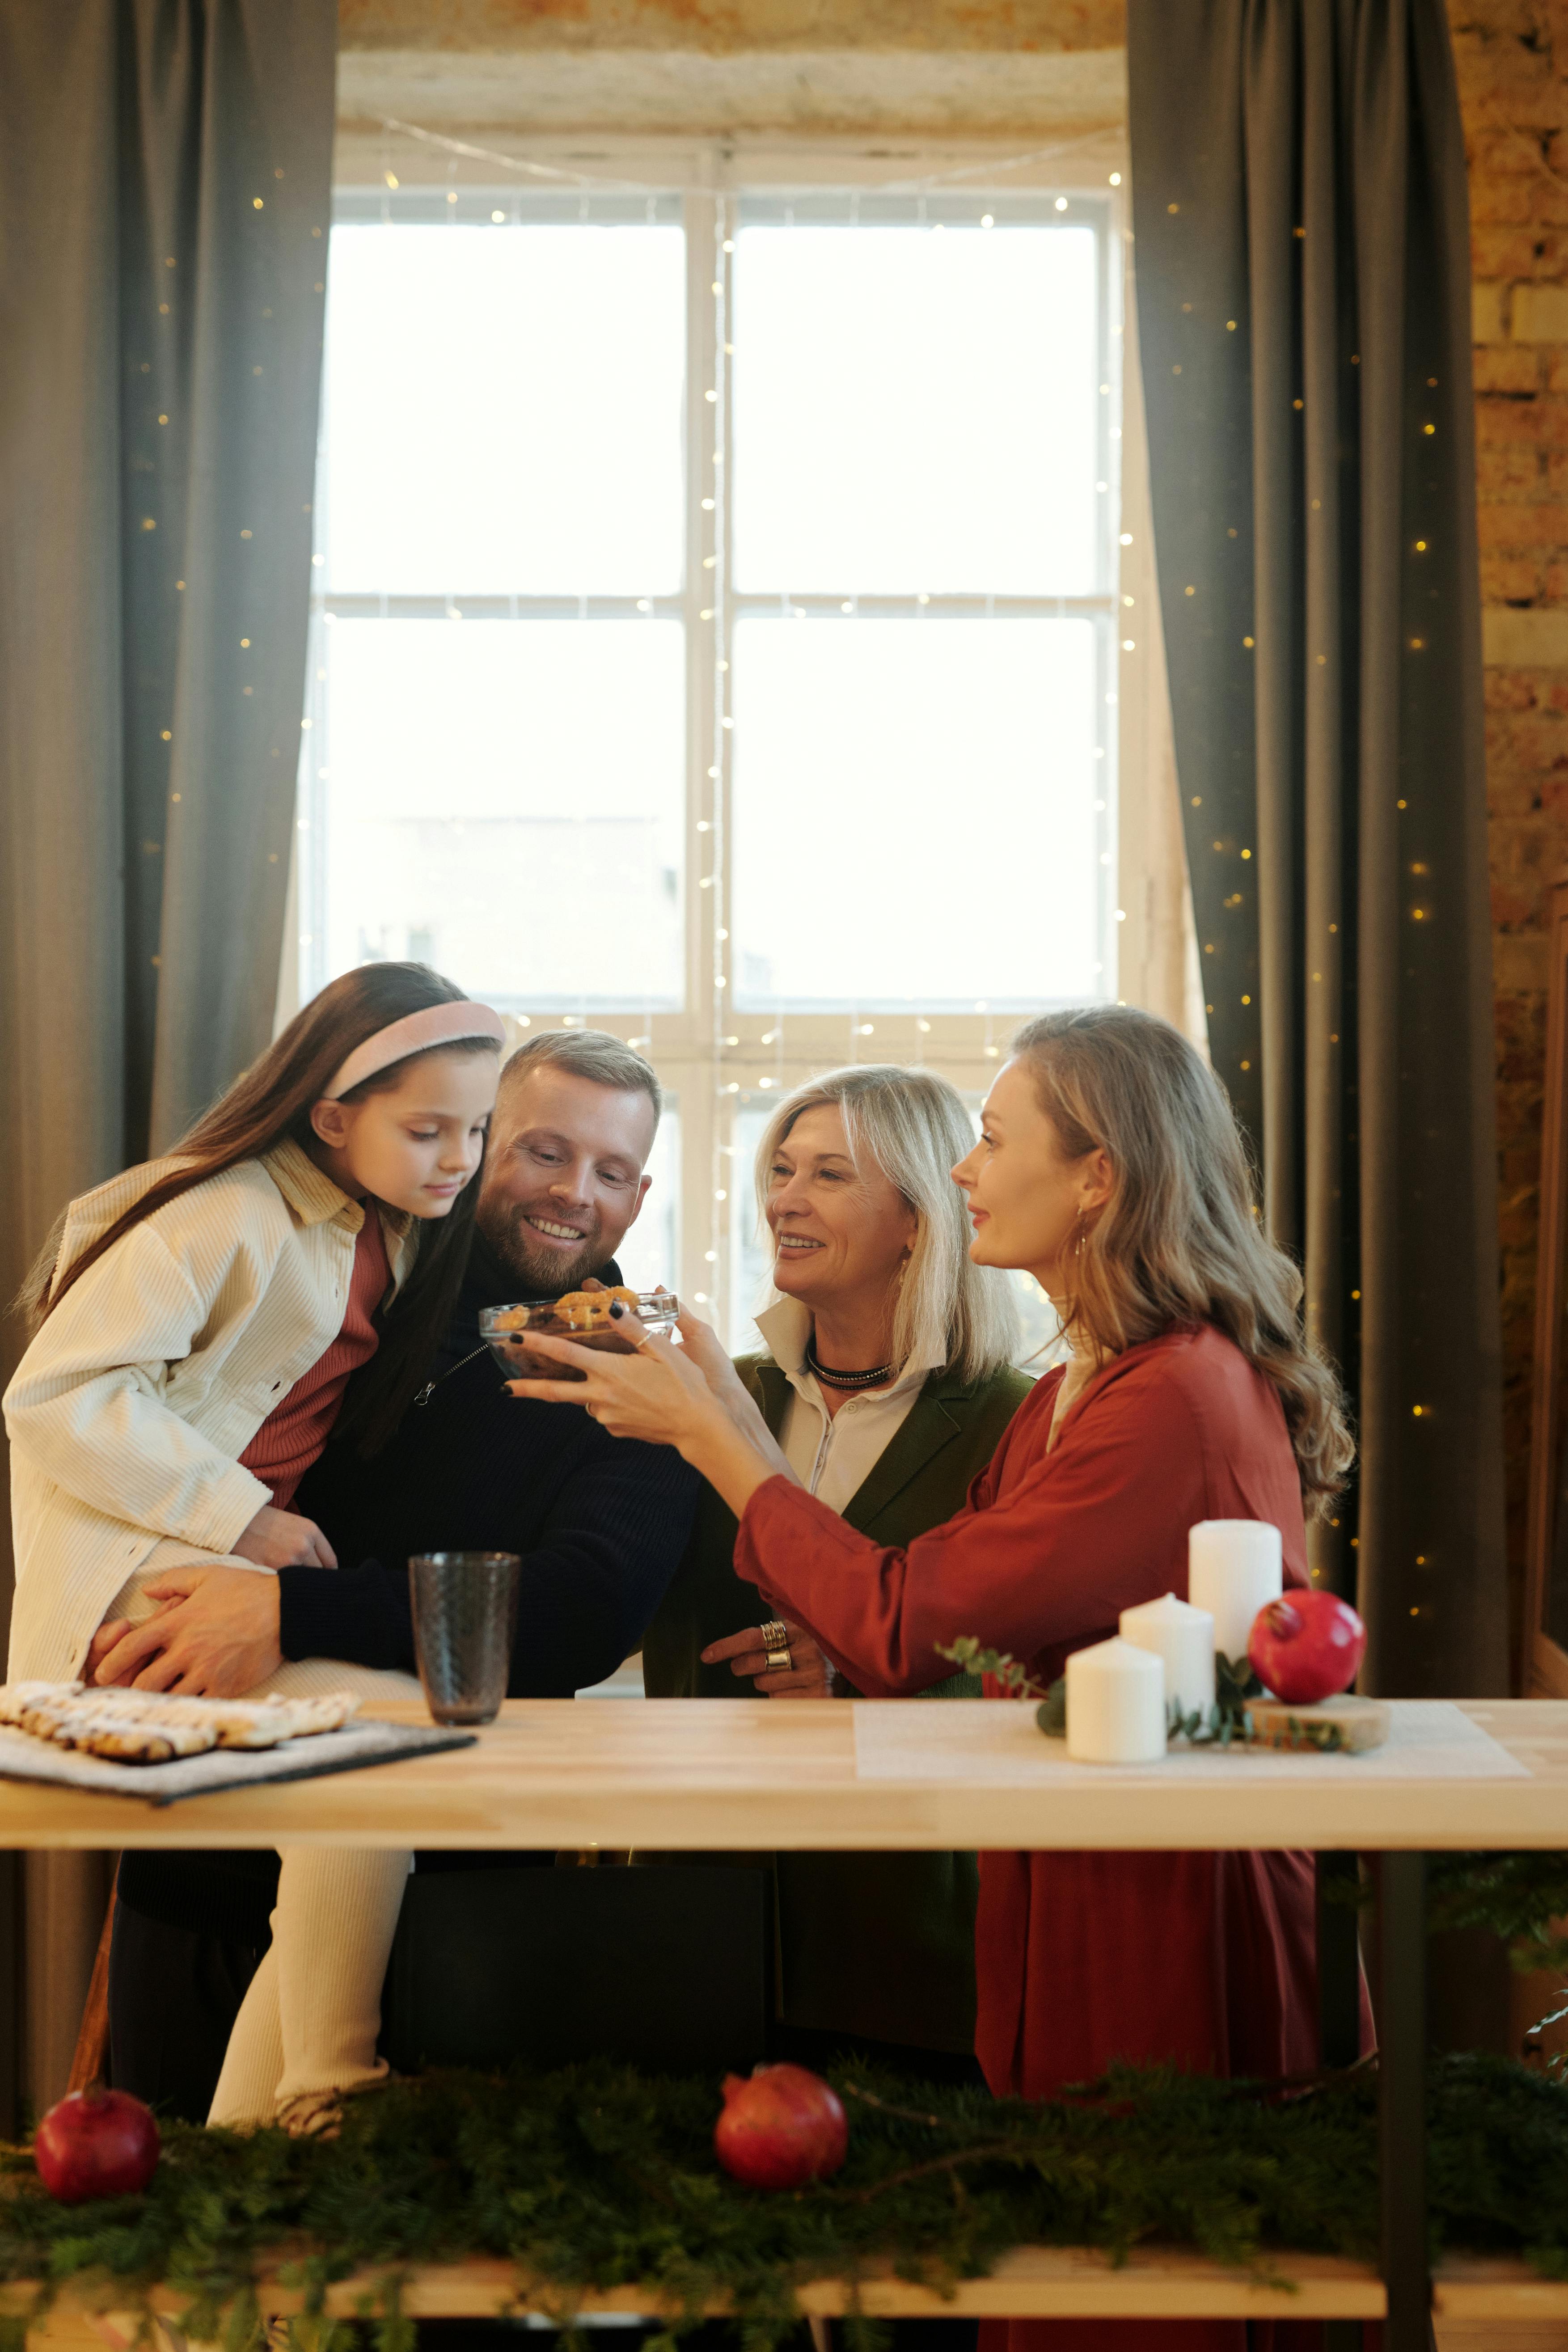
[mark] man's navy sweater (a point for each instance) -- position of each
(600, 1523)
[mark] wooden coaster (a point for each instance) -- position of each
(1342, 1725)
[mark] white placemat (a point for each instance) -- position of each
(22, 1757)
(998, 1740)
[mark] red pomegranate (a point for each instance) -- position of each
(96, 2143)
(1307, 1647)
(782, 2127)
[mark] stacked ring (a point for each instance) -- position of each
(775, 1646)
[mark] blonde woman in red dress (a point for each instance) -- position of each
(1109, 1165)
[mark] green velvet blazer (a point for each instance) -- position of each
(878, 1946)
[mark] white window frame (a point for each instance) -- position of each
(708, 1077)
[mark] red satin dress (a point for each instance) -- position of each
(1205, 1960)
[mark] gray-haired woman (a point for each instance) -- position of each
(888, 1383)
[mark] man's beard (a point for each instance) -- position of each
(542, 1272)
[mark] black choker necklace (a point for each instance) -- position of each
(871, 1380)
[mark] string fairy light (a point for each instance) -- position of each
(455, 147)
(714, 549)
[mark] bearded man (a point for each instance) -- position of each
(475, 1469)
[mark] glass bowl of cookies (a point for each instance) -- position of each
(587, 1317)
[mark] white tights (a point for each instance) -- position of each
(309, 2020)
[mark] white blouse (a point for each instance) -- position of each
(833, 1455)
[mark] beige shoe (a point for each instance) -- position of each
(319, 2114)
(312, 2114)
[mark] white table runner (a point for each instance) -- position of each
(998, 1740)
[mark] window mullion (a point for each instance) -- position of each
(723, 600)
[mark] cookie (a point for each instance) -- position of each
(134, 1726)
(17, 1698)
(328, 1713)
(139, 1743)
(584, 1310)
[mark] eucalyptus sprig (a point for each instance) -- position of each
(972, 1658)
(1230, 1718)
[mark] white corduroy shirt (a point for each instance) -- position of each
(128, 1411)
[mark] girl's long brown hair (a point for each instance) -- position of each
(1180, 1240)
(270, 1104)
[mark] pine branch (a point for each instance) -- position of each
(886, 2107)
(1009, 2151)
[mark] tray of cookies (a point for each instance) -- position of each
(159, 1746)
(590, 1318)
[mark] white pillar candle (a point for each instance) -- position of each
(1234, 1568)
(1183, 1638)
(1116, 1704)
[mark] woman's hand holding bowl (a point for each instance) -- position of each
(688, 1397)
(705, 1350)
(656, 1394)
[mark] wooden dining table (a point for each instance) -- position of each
(813, 1775)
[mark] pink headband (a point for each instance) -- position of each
(437, 1024)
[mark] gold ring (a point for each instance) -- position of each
(775, 1634)
(780, 1661)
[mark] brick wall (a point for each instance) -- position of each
(1512, 58)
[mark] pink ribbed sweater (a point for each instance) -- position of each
(294, 1432)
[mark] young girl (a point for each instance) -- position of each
(203, 1323)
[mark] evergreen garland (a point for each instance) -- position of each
(597, 2177)
(1523, 1897)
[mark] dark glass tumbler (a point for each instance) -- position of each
(465, 1616)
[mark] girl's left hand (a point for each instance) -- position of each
(656, 1394)
(284, 1539)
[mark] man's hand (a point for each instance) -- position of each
(215, 1636)
(284, 1539)
(810, 1674)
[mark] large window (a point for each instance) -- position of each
(717, 632)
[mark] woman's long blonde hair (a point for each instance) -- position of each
(912, 1126)
(1180, 1240)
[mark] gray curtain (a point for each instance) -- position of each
(1300, 215)
(165, 173)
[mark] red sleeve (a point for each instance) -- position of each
(1076, 1537)
(1025, 1436)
